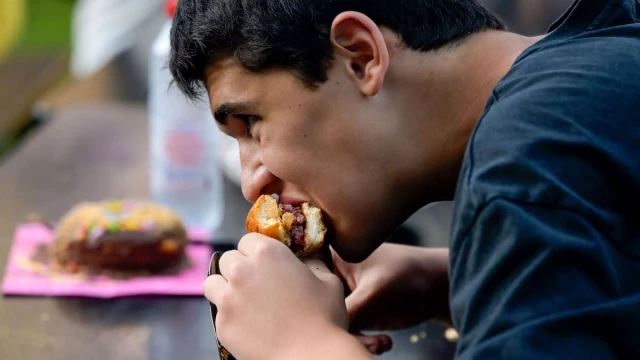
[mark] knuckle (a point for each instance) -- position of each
(248, 237)
(262, 249)
(260, 244)
(236, 273)
(265, 248)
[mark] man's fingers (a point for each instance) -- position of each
(344, 271)
(320, 270)
(248, 243)
(253, 243)
(356, 305)
(376, 344)
(214, 286)
(229, 264)
(318, 267)
(324, 255)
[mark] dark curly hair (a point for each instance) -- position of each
(294, 34)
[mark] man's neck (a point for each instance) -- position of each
(474, 70)
(452, 97)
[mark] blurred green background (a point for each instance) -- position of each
(47, 25)
(35, 35)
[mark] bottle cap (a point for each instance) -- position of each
(170, 7)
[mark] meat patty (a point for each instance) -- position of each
(295, 224)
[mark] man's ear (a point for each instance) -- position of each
(361, 49)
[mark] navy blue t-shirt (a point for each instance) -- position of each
(545, 252)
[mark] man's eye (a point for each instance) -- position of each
(249, 120)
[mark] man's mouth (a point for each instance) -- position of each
(290, 200)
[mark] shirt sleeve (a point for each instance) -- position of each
(543, 283)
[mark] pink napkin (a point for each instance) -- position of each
(24, 277)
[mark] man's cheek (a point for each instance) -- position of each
(281, 164)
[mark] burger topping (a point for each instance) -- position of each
(294, 220)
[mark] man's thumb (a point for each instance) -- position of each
(376, 344)
(357, 305)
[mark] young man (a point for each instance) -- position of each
(373, 109)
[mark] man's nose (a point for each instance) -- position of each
(255, 175)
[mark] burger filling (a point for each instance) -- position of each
(295, 221)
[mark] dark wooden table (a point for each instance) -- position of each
(97, 151)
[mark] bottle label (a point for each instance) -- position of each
(184, 147)
(188, 166)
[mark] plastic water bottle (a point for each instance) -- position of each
(184, 173)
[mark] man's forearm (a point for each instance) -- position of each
(331, 344)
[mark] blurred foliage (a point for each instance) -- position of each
(40, 28)
(11, 22)
(47, 25)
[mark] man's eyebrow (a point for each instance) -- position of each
(221, 113)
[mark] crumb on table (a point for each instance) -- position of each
(451, 335)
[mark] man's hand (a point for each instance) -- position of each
(273, 306)
(397, 287)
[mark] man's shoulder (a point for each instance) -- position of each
(562, 129)
(569, 88)
(560, 105)
(568, 104)
(577, 69)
